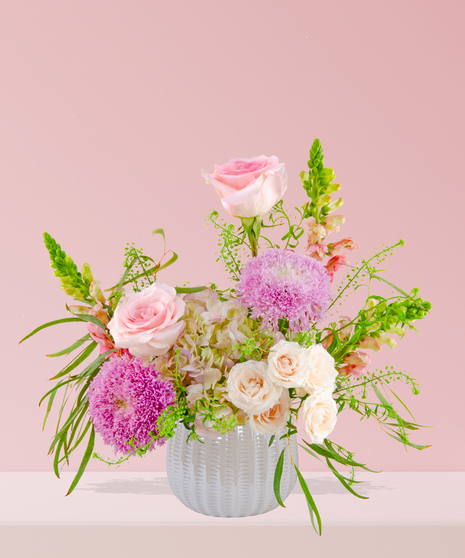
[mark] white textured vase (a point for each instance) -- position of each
(231, 476)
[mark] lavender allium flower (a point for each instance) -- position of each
(282, 284)
(125, 400)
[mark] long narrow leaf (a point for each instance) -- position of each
(94, 365)
(83, 356)
(123, 281)
(64, 428)
(81, 436)
(407, 443)
(162, 232)
(57, 456)
(48, 324)
(183, 290)
(57, 387)
(342, 480)
(173, 258)
(310, 502)
(72, 347)
(381, 397)
(84, 462)
(49, 407)
(332, 455)
(75, 428)
(91, 319)
(402, 403)
(398, 289)
(277, 478)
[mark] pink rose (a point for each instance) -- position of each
(147, 323)
(249, 187)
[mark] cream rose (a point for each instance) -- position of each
(250, 388)
(273, 420)
(288, 364)
(321, 374)
(249, 187)
(319, 415)
(147, 323)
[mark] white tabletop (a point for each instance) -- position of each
(144, 499)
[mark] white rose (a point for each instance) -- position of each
(321, 373)
(288, 364)
(320, 415)
(251, 389)
(273, 420)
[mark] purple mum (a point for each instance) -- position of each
(125, 400)
(282, 284)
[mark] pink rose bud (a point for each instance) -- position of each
(249, 187)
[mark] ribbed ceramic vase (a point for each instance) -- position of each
(231, 476)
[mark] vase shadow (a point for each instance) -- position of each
(130, 486)
(325, 485)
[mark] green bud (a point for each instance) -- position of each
(323, 200)
(335, 205)
(87, 274)
(75, 293)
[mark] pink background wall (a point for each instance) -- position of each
(109, 110)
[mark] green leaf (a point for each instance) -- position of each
(343, 480)
(77, 361)
(81, 437)
(72, 347)
(48, 324)
(94, 365)
(57, 456)
(84, 462)
(75, 427)
(277, 478)
(162, 232)
(381, 397)
(57, 387)
(91, 319)
(173, 258)
(398, 289)
(407, 443)
(123, 281)
(310, 502)
(65, 427)
(402, 403)
(271, 440)
(183, 290)
(313, 454)
(49, 407)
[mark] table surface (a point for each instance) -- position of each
(117, 498)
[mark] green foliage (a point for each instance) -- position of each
(230, 243)
(138, 268)
(318, 183)
(279, 216)
(73, 282)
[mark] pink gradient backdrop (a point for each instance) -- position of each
(109, 110)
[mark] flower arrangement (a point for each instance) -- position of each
(266, 350)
